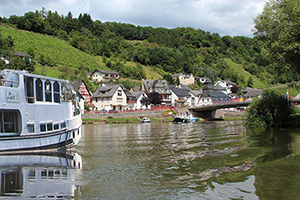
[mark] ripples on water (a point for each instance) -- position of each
(211, 160)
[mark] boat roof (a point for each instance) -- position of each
(26, 73)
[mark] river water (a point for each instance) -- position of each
(205, 160)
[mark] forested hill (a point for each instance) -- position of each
(113, 45)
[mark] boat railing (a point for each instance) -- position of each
(6, 82)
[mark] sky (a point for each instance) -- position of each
(225, 17)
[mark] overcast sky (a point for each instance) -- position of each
(226, 17)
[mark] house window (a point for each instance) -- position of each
(119, 92)
(119, 100)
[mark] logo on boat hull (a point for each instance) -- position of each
(13, 96)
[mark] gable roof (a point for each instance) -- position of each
(136, 88)
(219, 87)
(180, 92)
(76, 84)
(253, 93)
(218, 95)
(196, 92)
(151, 85)
(22, 54)
(136, 95)
(105, 72)
(106, 90)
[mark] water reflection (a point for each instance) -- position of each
(40, 176)
(210, 160)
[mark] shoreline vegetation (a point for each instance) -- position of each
(127, 120)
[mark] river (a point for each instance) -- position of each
(205, 160)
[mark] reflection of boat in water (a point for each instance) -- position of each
(37, 176)
(185, 118)
(145, 120)
(37, 112)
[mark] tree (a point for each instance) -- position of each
(277, 31)
(250, 82)
(271, 110)
(153, 98)
(169, 79)
(177, 81)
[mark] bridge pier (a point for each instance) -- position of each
(207, 114)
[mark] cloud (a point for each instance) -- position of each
(226, 17)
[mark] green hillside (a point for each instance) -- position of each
(241, 71)
(60, 52)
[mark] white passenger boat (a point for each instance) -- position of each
(40, 176)
(37, 112)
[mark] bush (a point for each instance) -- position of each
(270, 111)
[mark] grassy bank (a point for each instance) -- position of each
(124, 120)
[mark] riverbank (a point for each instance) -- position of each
(154, 116)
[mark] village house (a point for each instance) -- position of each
(225, 84)
(211, 96)
(159, 86)
(135, 101)
(179, 96)
(19, 54)
(253, 92)
(195, 95)
(185, 79)
(104, 76)
(110, 97)
(135, 88)
(80, 86)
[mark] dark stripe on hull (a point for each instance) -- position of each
(67, 143)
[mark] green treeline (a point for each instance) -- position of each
(186, 50)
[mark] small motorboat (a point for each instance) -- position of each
(145, 120)
(185, 118)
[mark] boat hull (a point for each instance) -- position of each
(55, 140)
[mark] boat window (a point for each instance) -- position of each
(10, 121)
(49, 127)
(43, 127)
(48, 91)
(63, 125)
(56, 92)
(67, 93)
(56, 126)
(30, 128)
(29, 89)
(39, 89)
(11, 79)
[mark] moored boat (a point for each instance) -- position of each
(145, 120)
(37, 112)
(184, 118)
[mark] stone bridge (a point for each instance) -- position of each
(209, 111)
